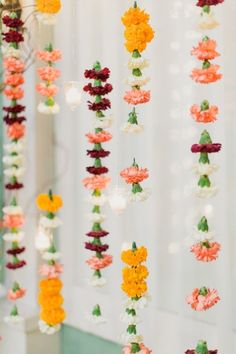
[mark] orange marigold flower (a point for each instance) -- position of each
(206, 116)
(136, 97)
(49, 203)
(52, 316)
(96, 182)
(206, 253)
(136, 274)
(206, 50)
(133, 289)
(134, 174)
(134, 257)
(49, 302)
(138, 36)
(50, 286)
(134, 16)
(206, 76)
(48, 6)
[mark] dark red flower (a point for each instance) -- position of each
(97, 170)
(14, 266)
(96, 248)
(14, 109)
(13, 37)
(207, 148)
(97, 234)
(12, 22)
(98, 90)
(192, 351)
(10, 121)
(15, 251)
(100, 106)
(12, 186)
(202, 3)
(93, 74)
(96, 154)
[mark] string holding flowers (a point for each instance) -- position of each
(50, 299)
(135, 287)
(98, 181)
(138, 33)
(134, 175)
(49, 74)
(47, 11)
(205, 52)
(201, 348)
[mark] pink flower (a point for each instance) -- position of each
(15, 295)
(206, 253)
(47, 91)
(52, 56)
(206, 50)
(14, 65)
(96, 182)
(14, 80)
(203, 299)
(206, 76)
(13, 221)
(144, 350)
(100, 263)
(49, 73)
(51, 271)
(16, 131)
(206, 116)
(100, 137)
(14, 93)
(134, 174)
(136, 97)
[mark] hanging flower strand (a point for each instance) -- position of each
(135, 287)
(98, 181)
(49, 74)
(201, 348)
(138, 33)
(203, 299)
(50, 299)
(14, 220)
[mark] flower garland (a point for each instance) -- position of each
(98, 181)
(134, 175)
(138, 33)
(47, 10)
(13, 219)
(201, 348)
(49, 75)
(50, 298)
(135, 287)
(208, 20)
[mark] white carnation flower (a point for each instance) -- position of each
(132, 128)
(13, 160)
(206, 192)
(13, 320)
(46, 329)
(49, 256)
(104, 122)
(99, 201)
(50, 223)
(14, 172)
(49, 110)
(13, 210)
(96, 217)
(204, 169)
(129, 319)
(9, 52)
(208, 21)
(131, 338)
(137, 81)
(202, 236)
(139, 197)
(16, 147)
(137, 305)
(13, 236)
(138, 63)
(97, 282)
(96, 319)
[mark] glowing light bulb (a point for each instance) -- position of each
(73, 94)
(118, 200)
(42, 240)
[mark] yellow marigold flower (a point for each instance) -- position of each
(50, 302)
(137, 274)
(134, 16)
(48, 6)
(134, 257)
(48, 203)
(133, 289)
(50, 287)
(53, 317)
(137, 37)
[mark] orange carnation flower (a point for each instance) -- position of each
(16, 131)
(206, 50)
(14, 80)
(134, 174)
(206, 76)
(100, 137)
(207, 116)
(96, 182)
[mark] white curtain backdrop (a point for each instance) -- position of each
(91, 30)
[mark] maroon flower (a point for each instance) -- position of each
(192, 351)
(102, 75)
(14, 109)
(12, 22)
(98, 90)
(97, 234)
(13, 37)
(9, 121)
(202, 3)
(15, 251)
(96, 248)
(96, 154)
(14, 266)
(100, 106)
(97, 170)
(207, 148)
(12, 186)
